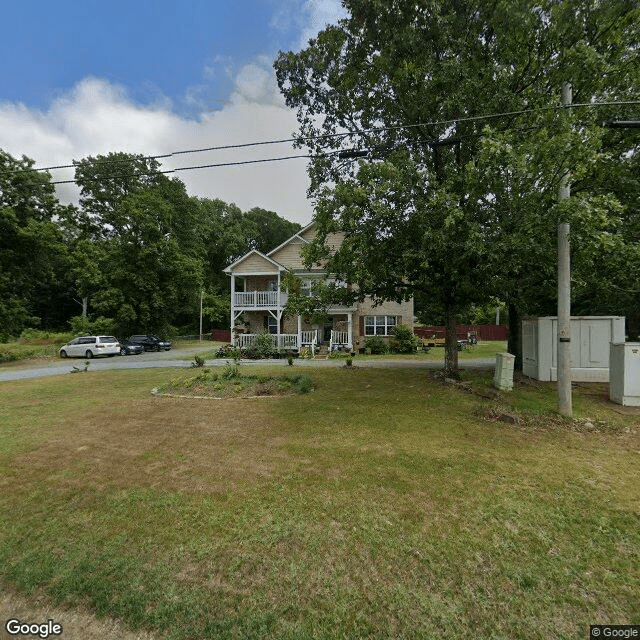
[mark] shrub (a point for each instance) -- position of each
(403, 340)
(376, 345)
(306, 353)
(228, 351)
(302, 383)
(264, 345)
(198, 361)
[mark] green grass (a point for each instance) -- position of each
(41, 346)
(484, 349)
(382, 505)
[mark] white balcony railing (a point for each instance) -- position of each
(258, 299)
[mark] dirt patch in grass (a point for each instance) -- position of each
(168, 443)
(76, 623)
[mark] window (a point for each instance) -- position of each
(272, 325)
(379, 325)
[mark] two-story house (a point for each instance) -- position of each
(258, 299)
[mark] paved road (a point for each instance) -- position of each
(181, 358)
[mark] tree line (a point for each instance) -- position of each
(133, 257)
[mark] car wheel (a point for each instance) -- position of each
(123, 351)
(63, 354)
(89, 354)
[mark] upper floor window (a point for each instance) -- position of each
(379, 325)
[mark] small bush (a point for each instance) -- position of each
(302, 383)
(198, 361)
(306, 353)
(264, 345)
(376, 345)
(349, 362)
(228, 351)
(403, 340)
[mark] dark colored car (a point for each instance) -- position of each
(150, 342)
(130, 348)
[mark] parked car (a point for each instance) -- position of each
(130, 348)
(90, 346)
(150, 342)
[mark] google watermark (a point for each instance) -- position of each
(15, 627)
(626, 631)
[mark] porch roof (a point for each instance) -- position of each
(255, 263)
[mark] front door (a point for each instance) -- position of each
(328, 326)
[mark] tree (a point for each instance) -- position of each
(138, 247)
(410, 82)
(32, 253)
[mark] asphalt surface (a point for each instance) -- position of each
(182, 358)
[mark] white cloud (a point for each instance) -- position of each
(318, 14)
(97, 117)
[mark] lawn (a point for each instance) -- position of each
(384, 504)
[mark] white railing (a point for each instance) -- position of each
(339, 339)
(258, 299)
(244, 340)
(283, 341)
(288, 341)
(309, 337)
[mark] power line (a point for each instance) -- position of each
(202, 166)
(371, 130)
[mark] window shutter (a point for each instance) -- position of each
(361, 322)
(398, 320)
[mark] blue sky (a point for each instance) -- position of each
(149, 76)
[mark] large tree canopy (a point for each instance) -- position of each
(411, 83)
(32, 252)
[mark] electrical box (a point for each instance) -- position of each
(590, 340)
(624, 368)
(503, 377)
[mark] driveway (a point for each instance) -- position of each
(181, 358)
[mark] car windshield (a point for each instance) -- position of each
(107, 339)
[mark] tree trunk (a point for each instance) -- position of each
(451, 341)
(85, 302)
(514, 342)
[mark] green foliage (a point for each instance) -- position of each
(376, 345)
(306, 353)
(33, 257)
(264, 347)
(403, 340)
(459, 209)
(83, 326)
(198, 361)
(231, 369)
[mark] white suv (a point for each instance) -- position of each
(91, 346)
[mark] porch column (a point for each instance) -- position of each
(350, 324)
(233, 308)
(279, 313)
(299, 332)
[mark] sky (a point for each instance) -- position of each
(82, 78)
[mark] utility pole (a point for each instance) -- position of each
(201, 296)
(564, 293)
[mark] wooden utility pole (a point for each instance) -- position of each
(564, 294)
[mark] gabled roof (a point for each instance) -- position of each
(297, 235)
(232, 266)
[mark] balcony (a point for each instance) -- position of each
(258, 299)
